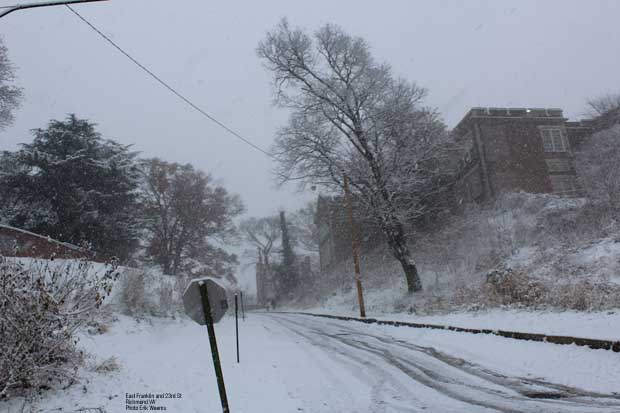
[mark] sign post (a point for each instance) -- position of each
(242, 309)
(213, 342)
(198, 301)
(237, 326)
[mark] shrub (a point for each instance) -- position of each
(132, 292)
(41, 306)
(165, 296)
(148, 292)
(586, 295)
(504, 286)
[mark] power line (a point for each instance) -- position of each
(17, 7)
(167, 86)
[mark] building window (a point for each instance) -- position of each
(553, 141)
(564, 185)
(558, 165)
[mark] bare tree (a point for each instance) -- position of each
(351, 116)
(304, 228)
(597, 167)
(10, 95)
(262, 233)
(605, 110)
(188, 220)
(603, 104)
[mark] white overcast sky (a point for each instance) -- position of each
(467, 53)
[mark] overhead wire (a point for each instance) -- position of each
(168, 86)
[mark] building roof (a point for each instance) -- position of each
(507, 113)
(43, 237)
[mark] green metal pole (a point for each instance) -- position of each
(206, 308)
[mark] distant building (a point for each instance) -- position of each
(517, 149)
(499, 150)
(335, 232)
(334, 240)
(15, 242)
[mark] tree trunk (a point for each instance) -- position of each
(165, 263)
(176, 261)
(411, 274)
(397, 241)
(393, 227)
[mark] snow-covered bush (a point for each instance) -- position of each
(132, 292)
(42, 304)
(585, 295)
(147, 291)
(504, 286)
(165, 298)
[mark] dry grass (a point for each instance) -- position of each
(108, 365)
(508, 288)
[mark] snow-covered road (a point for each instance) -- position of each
(400, 375)
(293, 363)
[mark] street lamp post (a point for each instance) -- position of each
(43, 4)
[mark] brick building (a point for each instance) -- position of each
(501, 150)
(517, 149)
(335, 232)
(15, 242)
(333, 237)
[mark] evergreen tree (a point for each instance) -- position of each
(10, 95)
(288, 268)
(74, 186)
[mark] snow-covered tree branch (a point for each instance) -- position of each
(351, 116)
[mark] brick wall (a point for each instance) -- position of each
(20, 243)
(508, 149)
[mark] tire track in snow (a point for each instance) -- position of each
(383, 385)
(525, 386)
(450, 376)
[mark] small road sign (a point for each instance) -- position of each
(193, 302)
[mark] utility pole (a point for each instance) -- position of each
(11, 9)
(356, 258)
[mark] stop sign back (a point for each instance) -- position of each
(192, 300)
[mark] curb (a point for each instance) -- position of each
(545, 338)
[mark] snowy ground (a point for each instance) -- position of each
(300, 363)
